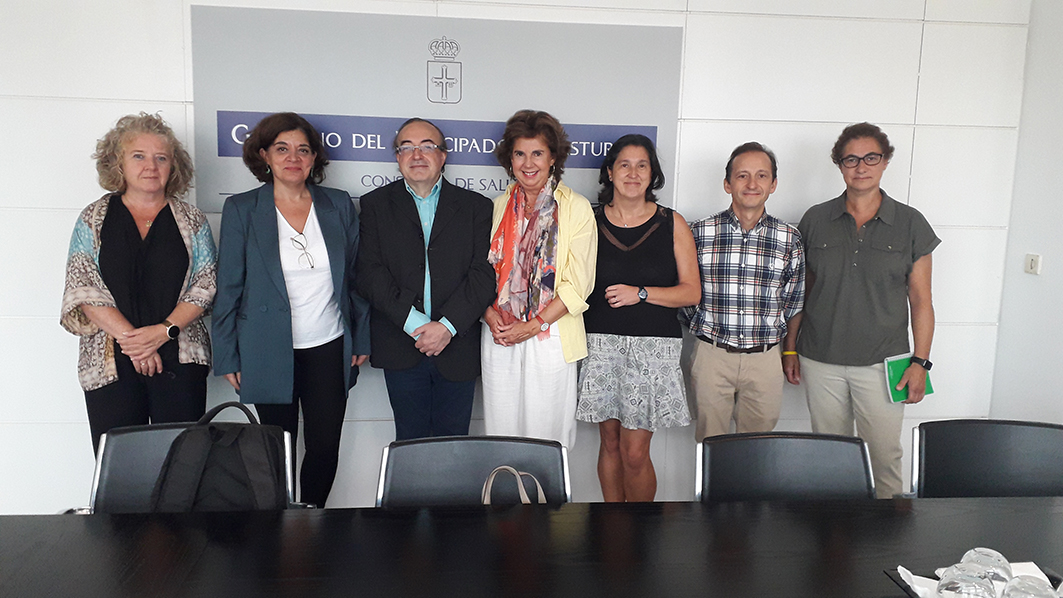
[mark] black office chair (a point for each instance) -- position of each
(979, 457)
(782, 466)
(129, 461)
(127, 465)
(451, 470)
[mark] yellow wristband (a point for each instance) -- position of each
(789, 352)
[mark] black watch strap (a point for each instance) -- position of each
(926, 363)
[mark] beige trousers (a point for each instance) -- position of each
(745, 386)
(839, 396)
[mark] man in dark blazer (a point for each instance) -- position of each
(422, 265)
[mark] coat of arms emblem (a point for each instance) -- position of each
(444, 73)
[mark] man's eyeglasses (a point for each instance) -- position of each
(851, 161)
(305, 259)
(407, 150)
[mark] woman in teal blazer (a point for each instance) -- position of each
(288, 326)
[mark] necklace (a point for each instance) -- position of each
(136, 211)
(623, 221)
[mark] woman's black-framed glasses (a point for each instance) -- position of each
(871, 159)
(305, 259)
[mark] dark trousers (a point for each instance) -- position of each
(427, 404)
(320, 390)
(177, 394)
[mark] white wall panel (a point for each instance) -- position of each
(369, 397)
(583, 463)
(806, 174)
(60, 136)
(40, 382)
(40, 257)
(963, 359)
(775, 68)
(872, 9)
(47, 468)
(116, 49)
(795, 425)
(984, 11)
(674, 462)
(968, 273)
(572, 13)
(1028, 379)
(963, 176)
(971, 75)
(188, 139)
(360, 449)
(397, 7)
(640, 5)
(794, 404)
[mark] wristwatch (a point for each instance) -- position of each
(172, 330)
(543, 325)
(923, 362)
(643, 294)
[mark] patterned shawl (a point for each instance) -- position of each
(84, 286)
(525, 265)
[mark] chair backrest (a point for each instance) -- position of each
(979, 457)
(130, 459)
(127, 466)
(782, 466)
(451, 470)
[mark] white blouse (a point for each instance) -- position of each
(316, 317)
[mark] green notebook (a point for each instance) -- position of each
(895, 367)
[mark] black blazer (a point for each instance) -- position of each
(391, 262)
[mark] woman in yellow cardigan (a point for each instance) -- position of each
(543, 248)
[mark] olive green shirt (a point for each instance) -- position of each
(856, 312)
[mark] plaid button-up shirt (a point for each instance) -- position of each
(751, 283)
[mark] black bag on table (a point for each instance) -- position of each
(223, 466)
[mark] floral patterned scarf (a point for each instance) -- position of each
(525, 265)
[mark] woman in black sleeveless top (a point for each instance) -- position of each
(631, 384)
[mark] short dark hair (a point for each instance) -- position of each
(416, 119)
(860, 131)
(266, 132)
(605, 196)
(529, 124)
(745, 148)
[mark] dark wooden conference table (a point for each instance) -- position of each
(780, 549)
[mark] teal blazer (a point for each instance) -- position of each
(252, 325)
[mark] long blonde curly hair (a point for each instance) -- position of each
(108, 154)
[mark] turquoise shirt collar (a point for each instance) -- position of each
(433, 195)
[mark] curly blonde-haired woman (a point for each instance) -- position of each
(140, 274)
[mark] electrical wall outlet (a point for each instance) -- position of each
(1032, 265)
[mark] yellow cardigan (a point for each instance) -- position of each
(577, 255)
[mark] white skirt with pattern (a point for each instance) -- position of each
(634, 379)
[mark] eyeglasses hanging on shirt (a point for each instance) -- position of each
(305, 259)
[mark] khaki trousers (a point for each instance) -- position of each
(839, 396)
(745, 386)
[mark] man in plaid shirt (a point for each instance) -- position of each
(753, 283)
